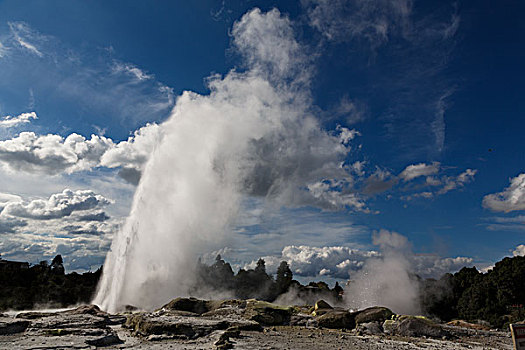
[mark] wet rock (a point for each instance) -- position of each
(373, 314)
(108, 340)
(13, 327)
(414, 326)
(267, 314)
(337, 319)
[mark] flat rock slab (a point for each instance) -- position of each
(146, 324)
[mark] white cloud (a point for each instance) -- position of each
(342, 262)
(433, 180)
(510, 199)
(10, 224)
(373, 21)
(58, 205)
(3, 50)
(87, 78)
(23, 34)
(134, 152)
(346, 134)
(422, 169)
(452, 183)
(10, 122)
(7, 198)
(519, 251)
(334, 195)
(80, 253)
(52, 154)
(134, 71)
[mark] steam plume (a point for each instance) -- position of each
(386, 280)
(253, 135)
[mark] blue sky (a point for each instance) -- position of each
(428, 94)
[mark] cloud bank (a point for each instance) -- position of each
(510, 199)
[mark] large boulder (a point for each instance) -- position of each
(182, 327)
(373, 314)
(337, 319)
(192, 305)
(267, 314)
(417, 326)
(143, 325)
(321, 307)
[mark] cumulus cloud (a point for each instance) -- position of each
(58, 205)
(346, 134)
(510, 199)
(53, 154)
(90, 228)
(335, 195)
(80, 253)
(6, 198)
(10, 122)
(9, 224)
(519, 251)
(342, 262)
(134, 152)
(422, 169)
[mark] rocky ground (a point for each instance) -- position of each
(187, 323)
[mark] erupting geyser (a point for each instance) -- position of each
(252, 135)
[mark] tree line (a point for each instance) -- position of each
(497, 297)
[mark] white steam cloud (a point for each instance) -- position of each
(386, 280)
(252, 135)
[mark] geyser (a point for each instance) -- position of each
(253, 135)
